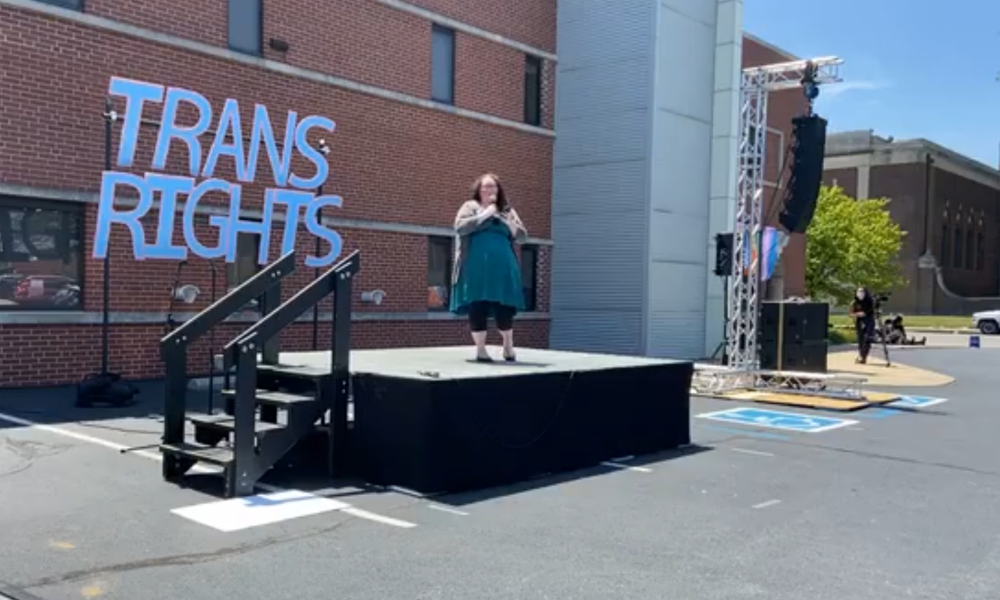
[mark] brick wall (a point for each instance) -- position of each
(782, 107)
(956, 200)
(391, 162)
(973, 207)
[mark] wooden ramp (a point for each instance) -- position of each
(814, 401)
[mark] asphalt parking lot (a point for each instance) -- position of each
(897, 504)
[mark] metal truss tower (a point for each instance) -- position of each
(744, 281)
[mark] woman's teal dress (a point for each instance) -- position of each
(490, 271)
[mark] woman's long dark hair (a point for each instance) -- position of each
(502, 205)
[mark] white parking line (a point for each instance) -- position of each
(624, 467)
(82, 437)
(447, 510)
(754, 452)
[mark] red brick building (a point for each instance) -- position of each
(426, 95)
(949, 207)
(782, 107)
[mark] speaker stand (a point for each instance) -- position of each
(880, 331)
(725, 323)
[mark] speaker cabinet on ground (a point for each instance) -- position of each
(807, 173)
(808, 357)
(793, 336)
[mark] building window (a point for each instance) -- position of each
(970, 256)
(440, 254)
(245, 266)
(41, 255)
(945, 240)
(246, 32)
(980, 251)
(529, 277)
(956, 245)
(442, 65)
(532, 90)
(70, 4)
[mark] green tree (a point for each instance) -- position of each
(852, 243)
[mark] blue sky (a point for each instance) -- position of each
(912, 68)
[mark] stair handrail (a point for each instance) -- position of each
(224, 307)
(174, 345)
(293, 308)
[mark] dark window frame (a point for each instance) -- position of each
(530, 293)
(438, 30)
(980, 251)
(68, 210)
(77, 5)
(438, 241)
(533, 68)
(957, 245)
(945, 243)
(236, 5)
(970, 256)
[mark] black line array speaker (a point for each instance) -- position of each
(723, 254)
(807, 173)
(793, 336)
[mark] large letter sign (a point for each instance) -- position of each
(295, 193)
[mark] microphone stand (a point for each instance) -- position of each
(110, 117)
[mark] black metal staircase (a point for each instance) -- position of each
(271, 407)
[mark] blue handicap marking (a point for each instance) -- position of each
(916, 402)
(776, 419)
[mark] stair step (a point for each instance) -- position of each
(298, 372)
(228, 423)
(211, 454)
(279, 399)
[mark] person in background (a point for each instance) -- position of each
(863, 312)
(486, 277)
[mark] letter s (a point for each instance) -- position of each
(315, 156)
(319, 230)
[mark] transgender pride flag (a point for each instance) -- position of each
(772, 242)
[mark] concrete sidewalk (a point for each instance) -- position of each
(878, 375)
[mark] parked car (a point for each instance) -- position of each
(36, 290)
(8, 284)
(987, 321)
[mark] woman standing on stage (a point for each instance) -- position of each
(863, 311)
(486, 278)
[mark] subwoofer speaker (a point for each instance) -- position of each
(807, 173)
(793, 336)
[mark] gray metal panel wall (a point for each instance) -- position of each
(681, 157)
(601, 174)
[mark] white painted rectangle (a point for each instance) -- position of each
(254, 511)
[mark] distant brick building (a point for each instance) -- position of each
(427, 94)
(948, 204)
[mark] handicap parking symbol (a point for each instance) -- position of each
(916, 402)
(776, 419)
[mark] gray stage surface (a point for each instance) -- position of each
(457, 362)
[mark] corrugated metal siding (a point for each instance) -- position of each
(681, 176)
(601, 174)
(725, 124)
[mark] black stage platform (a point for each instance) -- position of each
(431, 420)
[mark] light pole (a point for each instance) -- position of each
(325, 151)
